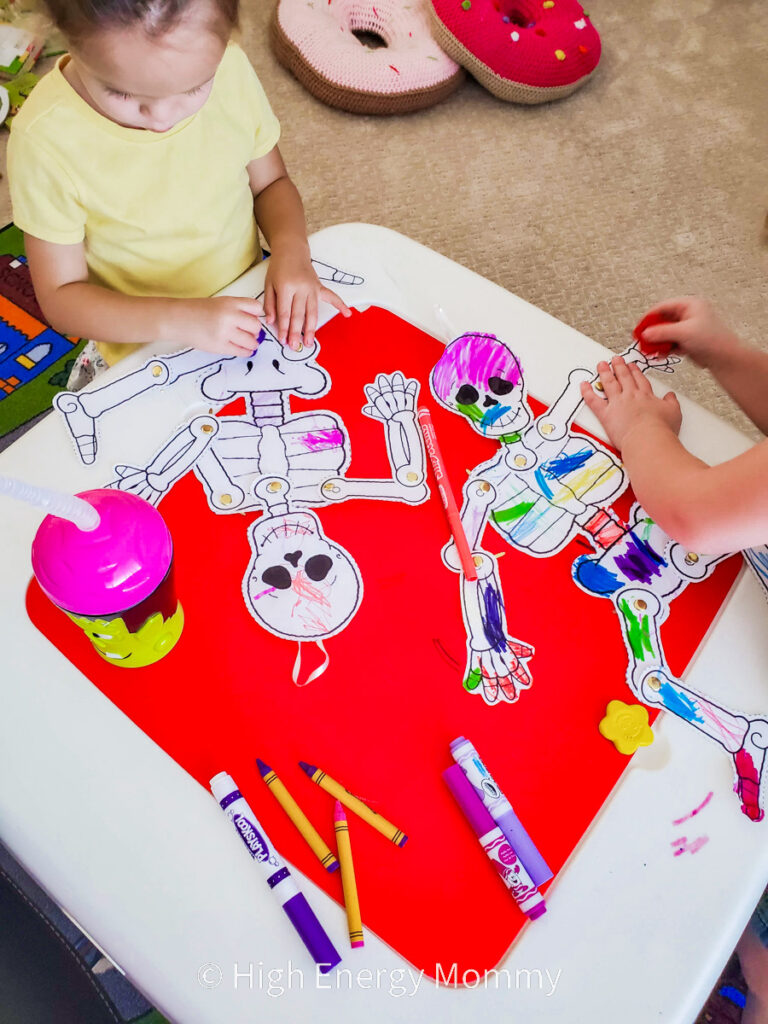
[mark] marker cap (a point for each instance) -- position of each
(303, 919)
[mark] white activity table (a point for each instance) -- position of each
(145, 862)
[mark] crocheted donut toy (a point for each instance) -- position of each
(318, 42)
(526, 51)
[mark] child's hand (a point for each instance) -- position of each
(629, 403)
(292, 293)
(694, 327)
(227, 325)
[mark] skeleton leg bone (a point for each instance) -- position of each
(641, 613)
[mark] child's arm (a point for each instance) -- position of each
(697, 330)
(709, 509)
(292, 289)
(74, 306)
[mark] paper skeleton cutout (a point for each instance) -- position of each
(299, 584)
(545, 486)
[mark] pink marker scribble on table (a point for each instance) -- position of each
(683, 846)
(695, 811)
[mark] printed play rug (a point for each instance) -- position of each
(381, 717)
(35, 360)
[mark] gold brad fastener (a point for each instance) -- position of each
(640, 605)
(599, 386)
(520, 460)
(331, 488)
(484, 486)
(411, 476)
(691, 558)
(274, 487)
(654, 682)
(547, 428)
(478, 560)
(157, 371)
(207, 428)
(225, 499)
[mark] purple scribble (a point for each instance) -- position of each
(472, 359)
(261, 593)
(323, 439)
(492, 615)
(640, 563)
(683, 846)
(695, 811)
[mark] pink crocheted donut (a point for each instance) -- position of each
(527, 51)
(317, 43)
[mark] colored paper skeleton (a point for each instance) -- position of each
(545, 486)
(299, 584)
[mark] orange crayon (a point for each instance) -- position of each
(398, 837)
(298, 817)
(348, 884)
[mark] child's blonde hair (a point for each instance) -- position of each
(77, 19)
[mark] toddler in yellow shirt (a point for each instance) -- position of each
(141, 170)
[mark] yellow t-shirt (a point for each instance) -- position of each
(160, 214)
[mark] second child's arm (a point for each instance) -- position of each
(74, 306)
(710, 509)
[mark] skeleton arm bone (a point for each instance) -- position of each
(171, 462)
(393, 402)
(495, 661)
(81, 410)
(479, 496)
(554, 424)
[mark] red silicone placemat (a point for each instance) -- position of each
(382, 716)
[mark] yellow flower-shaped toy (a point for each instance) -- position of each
(626, 726)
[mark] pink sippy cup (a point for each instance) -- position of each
(116, 580)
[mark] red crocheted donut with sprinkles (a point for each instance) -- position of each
(525, 51)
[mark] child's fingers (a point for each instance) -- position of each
(310, 320)
(241, 342)
(672, 400)
(608, 380)
(284, 303)
(675, 308)
(326, 295)
(270, 308)
(622, 373)
(252, 307)
(639, 379)
(296, 323)
(593, 401)
(671, 333)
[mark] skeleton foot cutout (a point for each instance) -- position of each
(751, 763)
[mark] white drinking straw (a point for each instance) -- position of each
(55, 503)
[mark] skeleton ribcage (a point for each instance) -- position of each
(314, 448)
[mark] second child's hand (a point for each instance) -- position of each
(629, 403)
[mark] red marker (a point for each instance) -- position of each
(654, 348)
(446, 494)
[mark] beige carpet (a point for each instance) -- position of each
(651, 181)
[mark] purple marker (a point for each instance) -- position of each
(500, 809)
(278, 876)
(493, 841)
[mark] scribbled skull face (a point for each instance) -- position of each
(480, 378)
(271, 367)
(300, 585)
